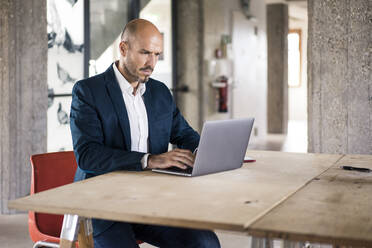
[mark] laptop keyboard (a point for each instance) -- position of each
(179, 170)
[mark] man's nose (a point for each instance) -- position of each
(152, 60)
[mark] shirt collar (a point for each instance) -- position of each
(125, 86)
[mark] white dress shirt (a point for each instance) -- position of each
(137, 115)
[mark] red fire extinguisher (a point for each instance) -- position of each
(222, 83)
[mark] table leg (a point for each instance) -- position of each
(262, 242)
(76, 228)
(85, 236)
(69, 231)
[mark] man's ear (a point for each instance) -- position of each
(123, 47)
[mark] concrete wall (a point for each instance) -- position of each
(23, 93)
(277, 61)
(189, 60)
(339, 76)
(107, 19)
(248, 51)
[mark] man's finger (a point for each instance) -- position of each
(177, 164)
(183, 159)
(183, 151)
(183, 156)
(187, 155)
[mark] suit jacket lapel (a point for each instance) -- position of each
(149, 104)
(118, 101)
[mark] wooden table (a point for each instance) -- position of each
(252, 199)
(334, 208)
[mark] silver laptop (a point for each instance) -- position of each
(222, 147)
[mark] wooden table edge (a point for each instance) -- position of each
(134, 218)
(314, 238)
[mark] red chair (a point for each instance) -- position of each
(49, 170)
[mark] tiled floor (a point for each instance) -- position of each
(14, 229)
(294, 141)
(14, 234)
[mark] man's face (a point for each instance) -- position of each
(140, 55)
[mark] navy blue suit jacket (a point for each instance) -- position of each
(101, 132)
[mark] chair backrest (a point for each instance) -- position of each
(50, 170)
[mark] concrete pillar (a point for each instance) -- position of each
(23, 93)
(277, 68)
(339, 76)
(189, 18)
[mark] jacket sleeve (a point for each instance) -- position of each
(182, 134)
(88, 139)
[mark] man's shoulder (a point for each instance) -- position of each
(97, 79)
(93, 83)
(157, 85)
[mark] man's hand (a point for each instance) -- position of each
(178, 157)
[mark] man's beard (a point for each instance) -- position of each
(142, 81)
(135, 77)
(146, 77)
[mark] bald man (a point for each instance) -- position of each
(124, 120)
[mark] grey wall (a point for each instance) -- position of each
(277, 68)
(189, 59)
(23, 93)
(339, 76)
(107, 19)
(248, 91)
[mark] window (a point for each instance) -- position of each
(294, 58)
